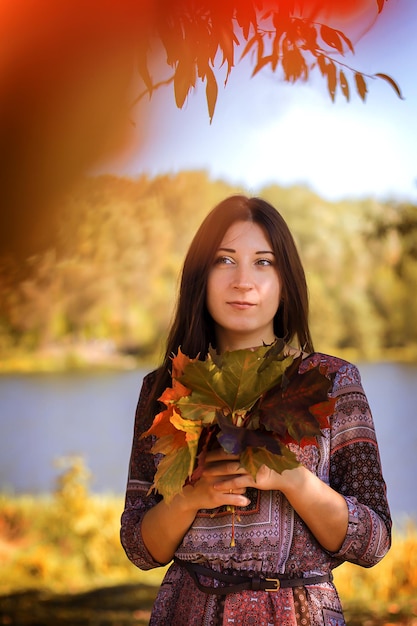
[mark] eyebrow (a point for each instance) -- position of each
(258, 252)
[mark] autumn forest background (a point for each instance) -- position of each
(103, 295)
(89, 264)
(105, 290)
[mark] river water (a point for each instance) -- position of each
(47, 416)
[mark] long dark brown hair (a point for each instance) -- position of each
(193, 327)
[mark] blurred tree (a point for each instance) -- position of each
(68, 77)
(113, 272)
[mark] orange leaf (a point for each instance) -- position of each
(170, 444)
(179, 361)
(161, 425)
(174, 393)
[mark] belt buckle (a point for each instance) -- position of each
(275, 581)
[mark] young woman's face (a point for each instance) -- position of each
(243, 288)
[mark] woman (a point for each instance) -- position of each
(242, 286)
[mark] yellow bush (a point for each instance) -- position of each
(392, 580)
(69, 541)
(65, 542)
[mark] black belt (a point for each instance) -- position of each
(256, 582)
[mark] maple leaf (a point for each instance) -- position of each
(255, 447)
(174, 393)
(235, 439)
(252, 459)
(179, 363)
(161, 425)
(231, 383)
(297, 411)
(253, 401)
(272, 354)
(192, 430)
(172, 473)
(169, 444)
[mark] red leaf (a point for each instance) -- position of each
(300, 410)
(331, 37)
(235, 439)
(322, 411)
(346, 40)
(380, 4)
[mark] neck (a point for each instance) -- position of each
(242, 342)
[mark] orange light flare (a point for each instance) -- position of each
(68, 76)
(354, 17)
(66, 70)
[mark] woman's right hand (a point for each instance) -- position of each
(207, 493)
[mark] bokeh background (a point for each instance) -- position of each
(100, 201)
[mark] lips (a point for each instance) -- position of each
(238, 304)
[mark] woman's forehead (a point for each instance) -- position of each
(245, 233)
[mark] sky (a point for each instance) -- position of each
(266, 131)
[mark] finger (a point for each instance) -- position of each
(229, 488)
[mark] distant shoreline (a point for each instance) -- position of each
(100, 355)
(90, 356)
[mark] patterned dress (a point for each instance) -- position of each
(270, 536)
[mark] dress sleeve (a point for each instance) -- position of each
(140, 478)
(355, 472)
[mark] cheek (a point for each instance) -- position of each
(275, 292)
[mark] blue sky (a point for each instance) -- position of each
(266, 131)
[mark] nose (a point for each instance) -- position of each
(242, 280)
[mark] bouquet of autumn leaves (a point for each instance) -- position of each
(250, 402)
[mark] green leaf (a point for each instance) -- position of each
(252, 459)
(173, 470)
(273, 353)
(231, 384)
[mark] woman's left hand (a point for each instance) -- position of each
(237, 478)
